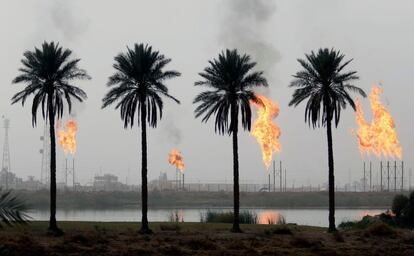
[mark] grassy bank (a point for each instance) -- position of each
(174, 199)
(84, 238)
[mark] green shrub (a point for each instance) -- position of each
(245, 217)
(364, 223)
(398, 204)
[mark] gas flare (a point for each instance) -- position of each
(265, 131)
(380, 136)
(67, 139)
(175, 158)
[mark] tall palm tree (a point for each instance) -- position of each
(48, 73)
(326, 87)
(136, 87)
(230, 81)
(12, 209)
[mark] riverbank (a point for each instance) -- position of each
(182, 199)
(85, 238)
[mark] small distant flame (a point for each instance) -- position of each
(378, 137)
(265, 131)
(175, 158)
(67, 139)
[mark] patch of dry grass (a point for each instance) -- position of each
(83, 238)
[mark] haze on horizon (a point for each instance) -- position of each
(376, 34)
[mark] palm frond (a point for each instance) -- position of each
(325, 87)
(138, 82)
(12, 210)
(229, 79)
(48, 73)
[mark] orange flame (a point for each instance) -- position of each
(67, 139)
(265, 131)
(176, 159)
(378, 137)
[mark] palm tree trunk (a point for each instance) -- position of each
(144, 187)
(52, 222)
(331, 179)
(236, 194)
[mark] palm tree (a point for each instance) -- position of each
(137, 86)
(326, 87)
(231, 82)
(12, 209)
(48, 74)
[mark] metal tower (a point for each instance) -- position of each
(45, 151)
(5, 164)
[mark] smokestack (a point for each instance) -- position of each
(73, 174)
(381, 175)
(395, 176)
(274, 176)
(370, 176)
(281, 171)
(402, 176)
(363, 179)
(66, 171)
(388, 176)
(269, 182)
(176, 179)
(183, 181)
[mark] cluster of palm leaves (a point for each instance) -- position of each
(137, 89)
(12, 209)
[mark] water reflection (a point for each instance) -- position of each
(270, 217)
(312, 217)
(176, 216)
(363, 213)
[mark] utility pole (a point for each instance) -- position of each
(5, 164)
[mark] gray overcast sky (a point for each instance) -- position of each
(377, 34)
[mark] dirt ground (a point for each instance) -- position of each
(87, 238)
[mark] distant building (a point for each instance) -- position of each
(9, 180)
(30, 184)
(162, 183)
(108, 182)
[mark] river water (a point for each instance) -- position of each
(312, 217)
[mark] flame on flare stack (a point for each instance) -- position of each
(265, 131)
(67, 139)
(378, 137)
(175, 158)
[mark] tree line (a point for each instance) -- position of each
(138, 87)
